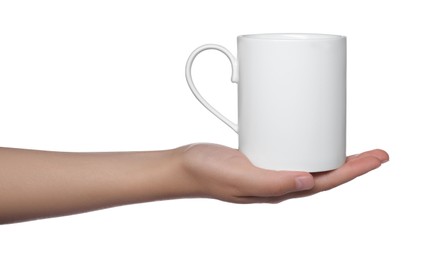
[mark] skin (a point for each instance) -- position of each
(39, 184)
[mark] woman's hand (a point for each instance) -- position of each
(40, 184)
(224, 173)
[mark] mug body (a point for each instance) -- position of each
(292, 101)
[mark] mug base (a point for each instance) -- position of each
(303, 168)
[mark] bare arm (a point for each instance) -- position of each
(35, 184)
(39, 184)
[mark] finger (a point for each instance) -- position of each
(329, 180)
(355, 166)
(378, 153)
(347, 172)
(279, 183)
(267, 183)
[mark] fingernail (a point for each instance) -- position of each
(385, 160)
(304, 182)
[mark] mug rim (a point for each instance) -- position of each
(291, 36)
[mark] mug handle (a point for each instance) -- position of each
(234, 79)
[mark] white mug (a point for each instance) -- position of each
(291, 97)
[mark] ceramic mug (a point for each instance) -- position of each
(291, 99)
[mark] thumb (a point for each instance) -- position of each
(304, 181)
(269, 183)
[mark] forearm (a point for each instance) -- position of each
(37, 184)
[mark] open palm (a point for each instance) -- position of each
(224, 173)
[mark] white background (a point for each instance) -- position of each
(109, 75)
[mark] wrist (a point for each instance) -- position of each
(162, 176)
